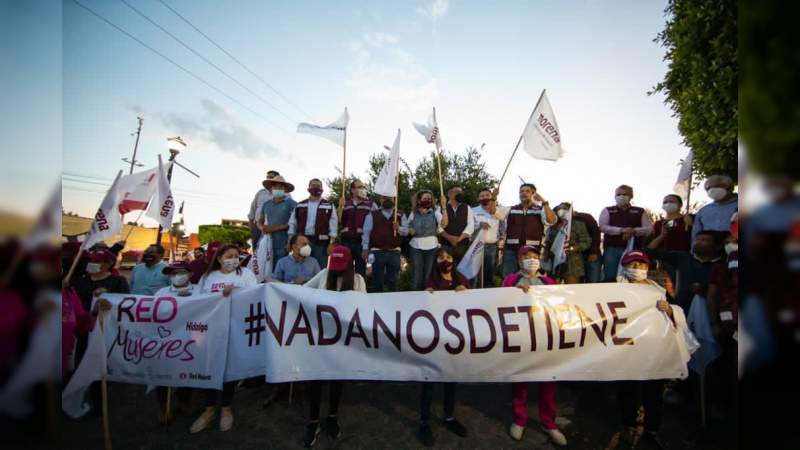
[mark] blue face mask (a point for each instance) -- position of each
(278, 193)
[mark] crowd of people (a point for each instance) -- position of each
(364, 243)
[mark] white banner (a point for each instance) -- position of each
(588, 332)
(471, 263)
(107, 220)
(162, 207)
(334, 132)
(386, 183)
(430, 130)
(261, 262)
(136, 190)
(681, 186)
(542, 138)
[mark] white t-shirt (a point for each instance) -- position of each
(171, 291)
(216, 281)
(321, 278)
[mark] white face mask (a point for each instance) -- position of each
(278, 193)
(562, 213)
(230, 264)
(670, 207)
(717, 193)
(731, 247)
(530, 264)
(305, 251)
(636, 274)
(93, 267)
(622, 200)
(180, 279)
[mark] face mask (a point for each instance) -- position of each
(361, 193)
(93, 267)
(530, 264)
(425, 203)
(387, 204)
(278, 193)
(305, 251)
(230, 264)
(670, 208)
(180, 279)
(562, 213)
(445, 266)
(717, 193)
(485, 201)
(315, 191)
(636, 274)
(731, 247)
(622, 200)
(149, 258)
(459, 198)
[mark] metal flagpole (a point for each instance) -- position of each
(438, 153)
(344, 160)
(519, 141)
(396, 186)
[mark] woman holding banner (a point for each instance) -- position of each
(529, 275)
(423, 224)
(223, 275)
(338, 276)
(443, 277)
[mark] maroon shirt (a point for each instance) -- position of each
(447, 285)
(678, 239)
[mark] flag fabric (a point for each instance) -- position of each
(470, 265)
(136, 190)
(541, 135)
(681, 186)
(261, 263)
(386, 183)
(430, 130)
(620, 269)
(93, 367)
(163, 206)
(107, 220)
(700, 325)
(561, 242)
(48, 226)
(334, 132)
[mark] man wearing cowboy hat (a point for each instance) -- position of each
(273, 217)
(262, 196)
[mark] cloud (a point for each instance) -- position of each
(217, 127)
(379, 39)
(437, 9)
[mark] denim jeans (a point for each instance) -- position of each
(510, 262)
(355, 250)
(593, 269)
(489, 266)
(611, 257)
(278, 253)
(320, 253)
(386, 266)
(421, 265)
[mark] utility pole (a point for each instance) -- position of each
(138, 133)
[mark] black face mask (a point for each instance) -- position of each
(460, 198)
(387, 204)
(149, 258)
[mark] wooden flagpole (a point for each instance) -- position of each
(438, 154)
(397, 186)
(104, 393)
(519, 141)
(689, 193)
(344, 161)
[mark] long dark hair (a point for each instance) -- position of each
(215, 265)
(436, 273)
(348, 276)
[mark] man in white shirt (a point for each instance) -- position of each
(315, 218)
(488, 218)
(262, 196)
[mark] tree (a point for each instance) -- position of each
(222, 233)
(701, 84)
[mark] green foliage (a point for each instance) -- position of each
(701, 84)
(223, 233)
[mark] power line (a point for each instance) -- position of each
(230, 77)
(241, 64)
(76, 178)
(187, 71)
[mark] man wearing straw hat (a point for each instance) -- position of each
(262, 196)
(273, 217)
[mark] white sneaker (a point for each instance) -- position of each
(203, 421)
(556, 436)
(225, 419)
(516, 431)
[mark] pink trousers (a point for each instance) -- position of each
(547, 404)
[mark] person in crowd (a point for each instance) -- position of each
(592, 262)
(444, 277)
(716, 216)
(572, 270)
(298, 267)
(180, 275)
(693, 269)
(525, 225)
(351, 215)
(382, 239)
(262, 196)
(423, 224)
(147, 277)
(460, 223)
(273, 218)
(673, 233)
(529, 275)
(223, 275)
(488, 218)
(619, 223)
(338, 276)
(198, 253)
(315, 219)
(199, 266)
(635, 270)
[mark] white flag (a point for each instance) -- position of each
(48, 226)
(430, 130)
(386, 184)
(107, 220)
(470, 265)
(561, 242)
(542, 138)
(261, 262)
(136, 190)
(93, 367)
(681, 186)
(162, 207)
(334, 132)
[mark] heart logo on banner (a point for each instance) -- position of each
(163, 332)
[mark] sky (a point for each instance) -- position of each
(481, 64)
